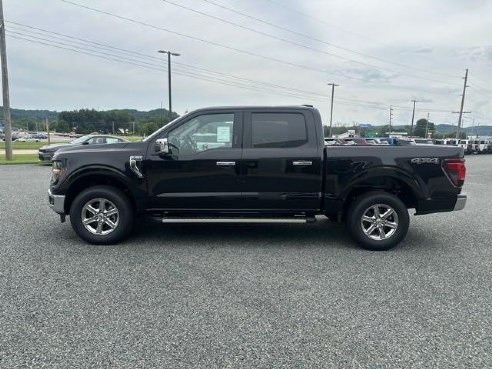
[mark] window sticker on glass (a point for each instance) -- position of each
(223, 134)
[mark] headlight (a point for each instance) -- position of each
(57, 169)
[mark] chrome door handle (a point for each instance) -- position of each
(226, 163)
(302, 163)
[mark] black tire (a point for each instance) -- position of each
(114, 226)
(385, 235)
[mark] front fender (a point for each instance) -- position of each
(99, 174)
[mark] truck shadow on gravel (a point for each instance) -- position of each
(322, 233)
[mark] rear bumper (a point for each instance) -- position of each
(441, 205)
(460, 203)
(57, 202)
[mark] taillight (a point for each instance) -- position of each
(456, 170)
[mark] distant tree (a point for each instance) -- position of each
(145, 129)
(61, 126)
(422, 126)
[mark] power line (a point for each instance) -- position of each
(194, 38)
(247, 52)
(325, 23)
(150, 66)
(265, 34)
(156, 64)
(319, 40)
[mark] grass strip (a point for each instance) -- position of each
(20, 159)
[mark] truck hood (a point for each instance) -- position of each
(93, 148)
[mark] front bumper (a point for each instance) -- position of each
(45, 156)
(57, 202)
(460, 203)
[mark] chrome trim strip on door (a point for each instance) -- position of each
(302, 163)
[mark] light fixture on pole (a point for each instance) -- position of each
(169, 53)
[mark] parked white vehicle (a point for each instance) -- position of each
(452, 141)
(483, 146)
(464, 144)
(473, 146)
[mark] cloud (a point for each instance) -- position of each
(420, 35)
(477, 53)
(367, 74)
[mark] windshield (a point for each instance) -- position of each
(80, 140)
(150, 137)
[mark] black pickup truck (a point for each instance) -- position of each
(253, 164)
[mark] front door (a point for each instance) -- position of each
(201, 171)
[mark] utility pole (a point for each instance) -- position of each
(391, 119)
(5, 88)
(427, 127)
(462, 103)
(333, 85)
(113, 125)
(460, 113)
(413, 116)
(48, 130)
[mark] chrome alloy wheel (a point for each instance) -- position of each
(100, 216)
(379, 222)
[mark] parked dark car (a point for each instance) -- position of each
(46, 152)
(259, 164)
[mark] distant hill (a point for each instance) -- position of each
(20, 116)
(146, 116)
(485, 130)
(30, 115)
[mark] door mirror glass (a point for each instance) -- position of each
(162, 146)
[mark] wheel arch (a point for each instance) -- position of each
(100, 177)
(404, 187)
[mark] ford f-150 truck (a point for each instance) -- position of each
(253, 164)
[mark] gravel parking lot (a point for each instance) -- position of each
(252, 296)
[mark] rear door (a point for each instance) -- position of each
(282, 161)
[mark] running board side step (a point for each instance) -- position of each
(239, 220)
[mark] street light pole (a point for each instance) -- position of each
(169, 53)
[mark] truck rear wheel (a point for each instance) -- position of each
(378, 221)
(101, 215)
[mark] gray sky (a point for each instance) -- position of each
(379, 52)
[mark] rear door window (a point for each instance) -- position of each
(278, 130)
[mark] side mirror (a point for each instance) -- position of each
(85, 143)
(162, 146)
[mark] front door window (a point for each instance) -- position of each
(204, 132)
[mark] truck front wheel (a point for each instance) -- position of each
(101, 215)
(378, 221)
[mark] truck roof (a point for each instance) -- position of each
(257, 107)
